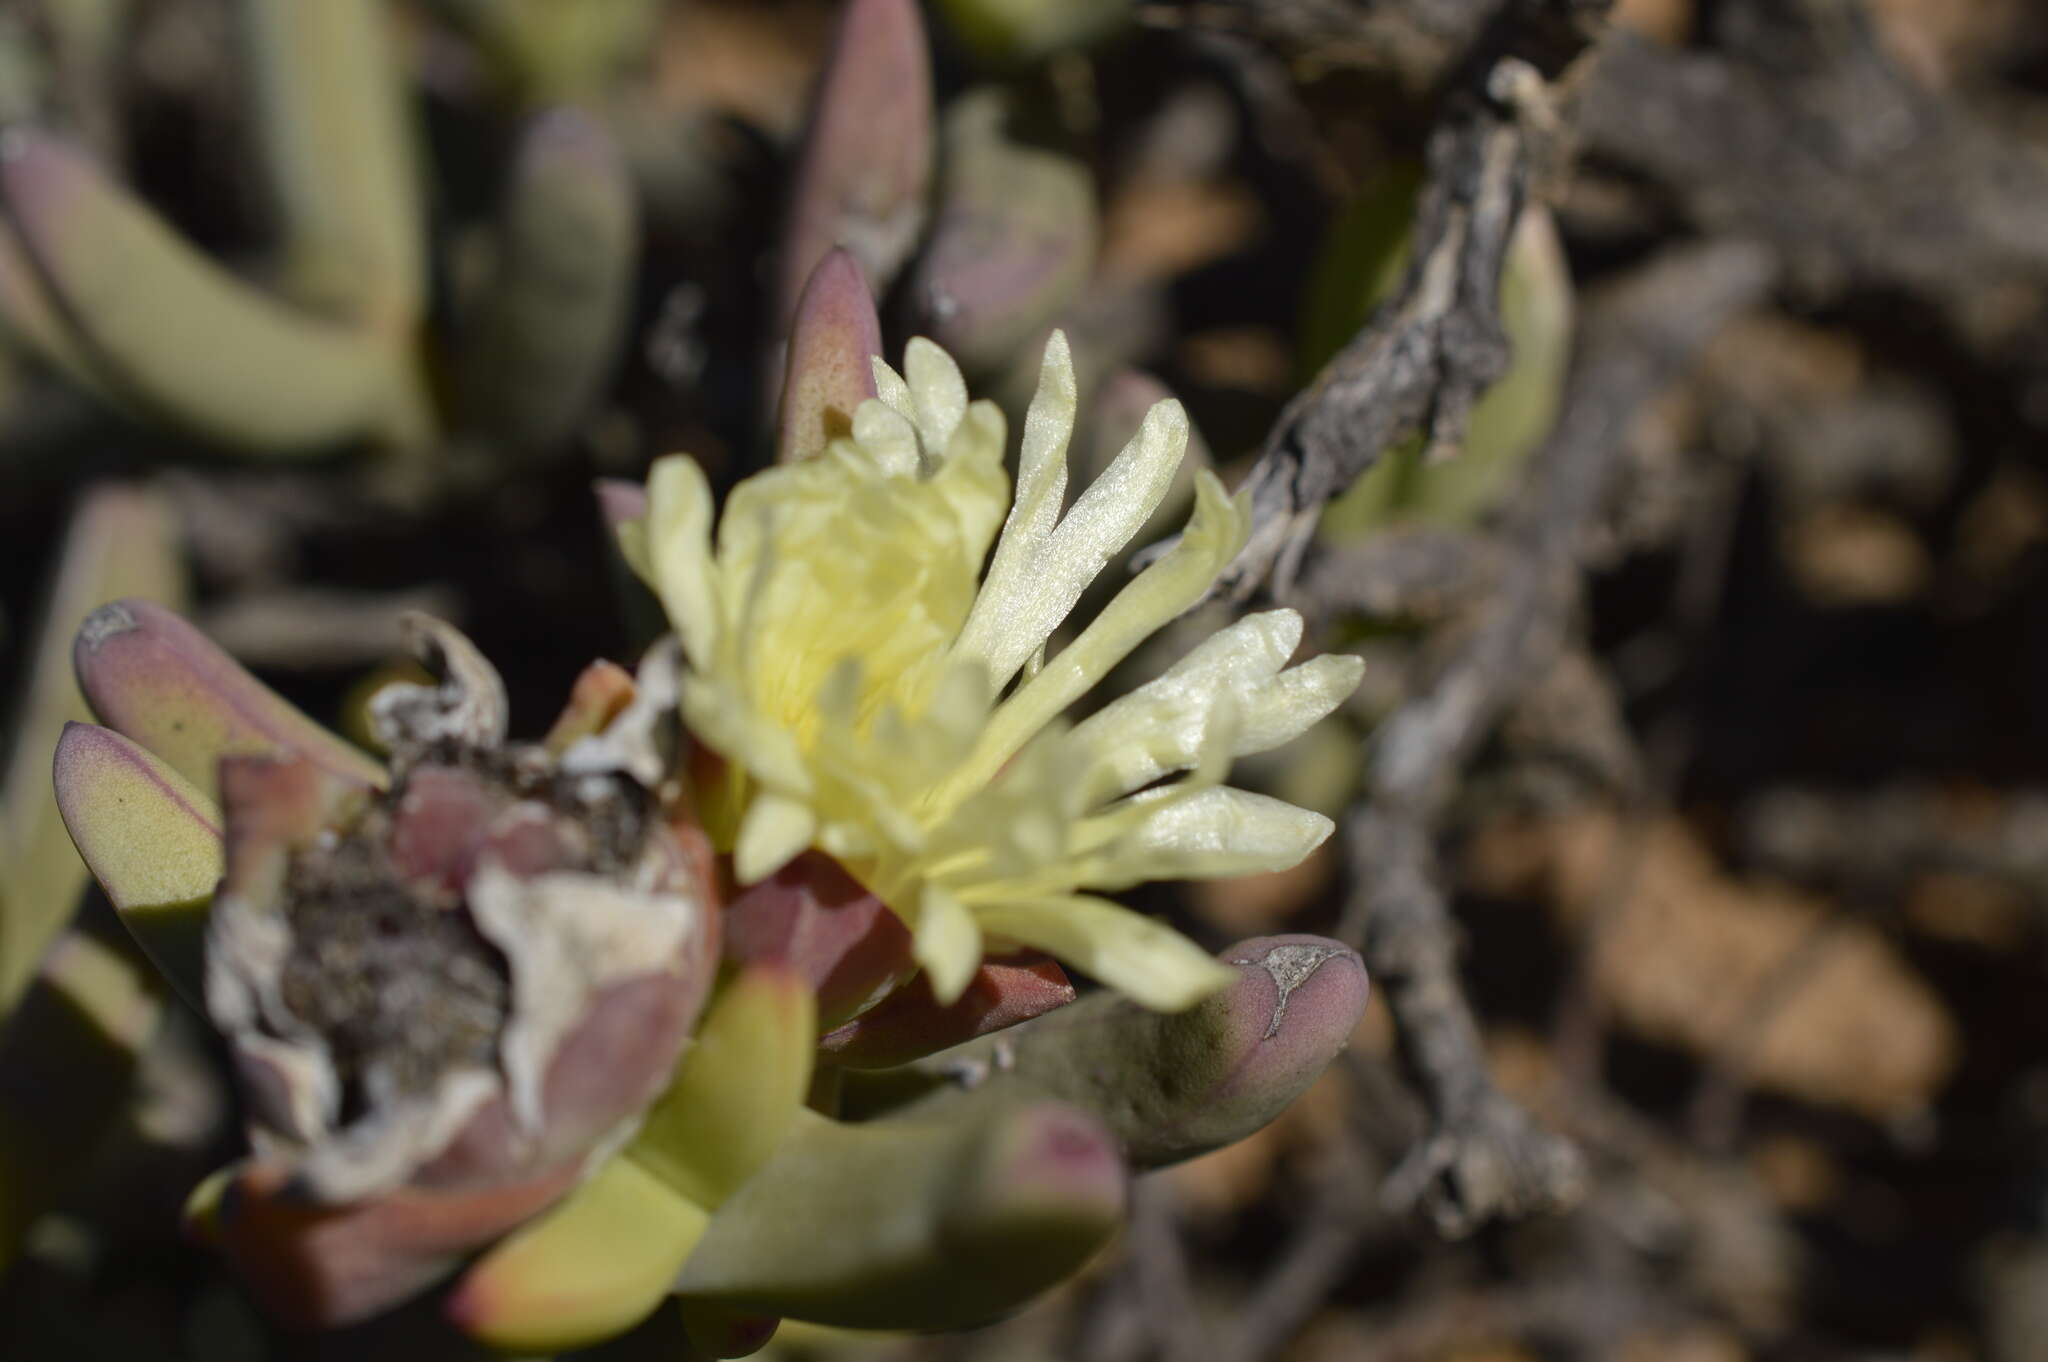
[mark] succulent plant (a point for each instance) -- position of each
(454, 985)
(80, 1014)
(120, 542)
(95, 282)
(462, 987)
(741, 994)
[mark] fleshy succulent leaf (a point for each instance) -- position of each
(547, 331)
(1008, 31)
(910, 1023)
(597, 1264)
(172, 332)
(316, 1265)
(738, 1089)
(815, 919)
(332, 118)
(28, 318)
(150, 838)
(866, 167)
(548, 50)
(716, 1331)
(1359, 268)
(1170, 1086)
(67, 1070)
(1013, 239)
(121, 541)
(941, 1221)
(603, 1259)
(829, 371)
(151, 676)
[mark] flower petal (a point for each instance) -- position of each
(938, 395)
(891, 390)
(678, 553)
(1211, 834)
(947, 944)
(1115, 507)
(1145, 960)
(1158, 728)
(885, 432)
(773, 831)
(727, 724)
(1215, 533)
(1041, 494)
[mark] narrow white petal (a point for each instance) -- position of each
(1041, 494)
(1297, 698)
(678, 544)
(890, 387)
(938, 395)
(1148, 962)
(1158, 728)
(1156, 595)
(1213, 834)
(947, 944)
(887, 435)
(775, 829)
(1104, 519)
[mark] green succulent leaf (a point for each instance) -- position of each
(121, 542)
(865, 173)
(151, 676)
(150, 838)
(546, 334)
(169, 331)
(941, 1221)
(597, 1264)
(331, 112)
(67, 1061)
(737, 1091)
(1168, 1086)
(1361, 266)
(1011, 31)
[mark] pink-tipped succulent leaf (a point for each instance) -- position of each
(150, 676)
(865, 174)
(829, 371)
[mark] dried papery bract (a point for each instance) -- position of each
(445, 998)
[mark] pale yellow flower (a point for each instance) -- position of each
(880, 698)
